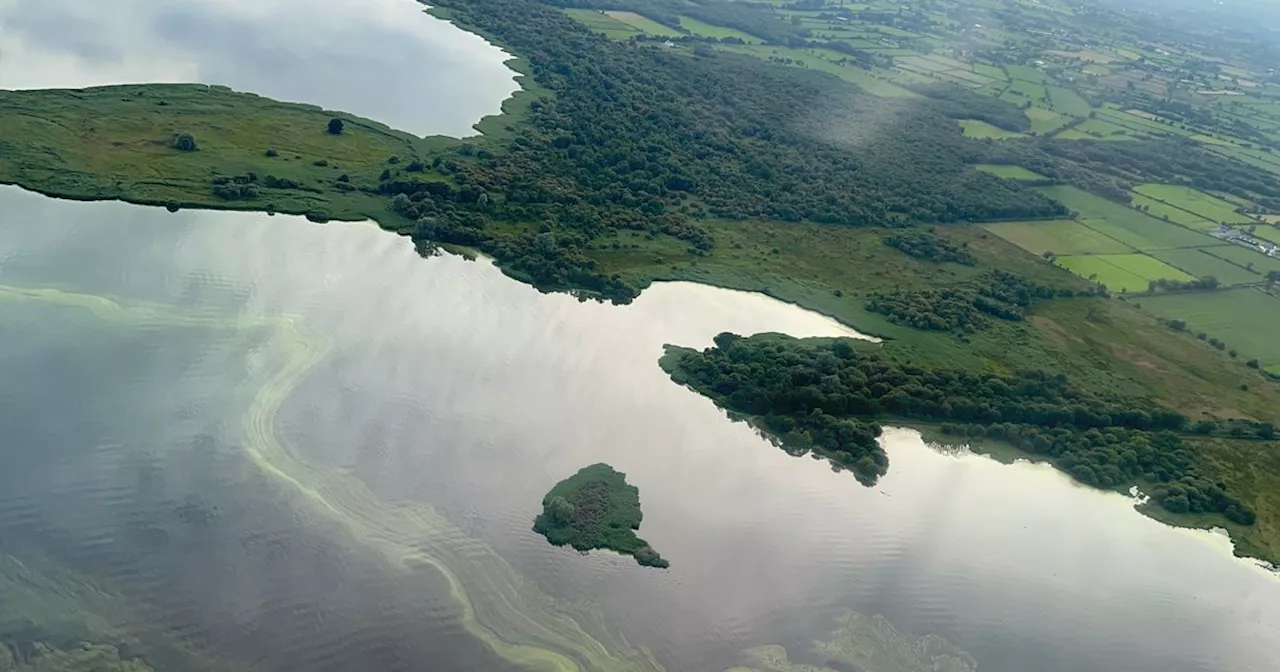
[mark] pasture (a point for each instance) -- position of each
(1248, 258)
(1191, 200)
(1173, 214)
(1133, 228)
(1062, 237)
(1099, 269)
(642, 23)
(718, 32)
(1246, 319)
(603, 23)
(1200, 263)
(1068, 102)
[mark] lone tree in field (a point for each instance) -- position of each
(184, 142)
(335, 126)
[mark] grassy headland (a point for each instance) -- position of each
(118, 142)
(596, 508)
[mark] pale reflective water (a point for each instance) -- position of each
(444, 383)
(382, 59)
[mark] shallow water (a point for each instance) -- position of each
(382, 59)
(294, 446)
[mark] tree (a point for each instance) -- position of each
(560, 510)
(184, 142)
(336, 126)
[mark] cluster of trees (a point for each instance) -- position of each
(236, 187)
(965, 309)
(929, 245)
(799, 388)
(1208, 282)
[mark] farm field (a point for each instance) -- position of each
(1140, 231)
(1068, 102)
(1173, 214)
(603, 23)
(1010, 172)
(1200, 263)
(1045, 121)
(1246, 319)
(1062, 237)
(1121, 272)
(1191, 200)
(1246, 257)
(642, 23)
(718, 32)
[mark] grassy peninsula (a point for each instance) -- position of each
(796, 163)
(596, 508)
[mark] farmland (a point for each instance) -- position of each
(1121, 272)
(1194, 202)
(1061, 237)
(1246, 319)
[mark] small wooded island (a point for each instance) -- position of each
(596, 508)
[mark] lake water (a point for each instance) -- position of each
(382, 59)
(274, 445)
(241, 442)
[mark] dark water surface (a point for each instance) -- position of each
(274, 445)
(382, 59)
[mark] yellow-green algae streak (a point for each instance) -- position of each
(869, 644)
(509, 614)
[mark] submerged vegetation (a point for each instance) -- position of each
(865, 642)
(596, 508)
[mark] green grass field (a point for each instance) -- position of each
(1063, 237)
(1045, 121)
(719, 32)
(981, 129)
(1164, 211)
(1198, 262)
(1010, 172)
(1125, 224)
(1026, 74)
(643, 23)
(1245, 257)
(603, 23)
(1100, 269)
(1102, 128)
(1191, 200)
(1245, 319)
(1029, 90)
(1068, 102)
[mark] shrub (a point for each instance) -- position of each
(336, 126)
(272, 153)
(184, 142)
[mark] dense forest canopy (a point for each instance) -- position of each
(826, 395)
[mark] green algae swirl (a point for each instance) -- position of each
(496, 605)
